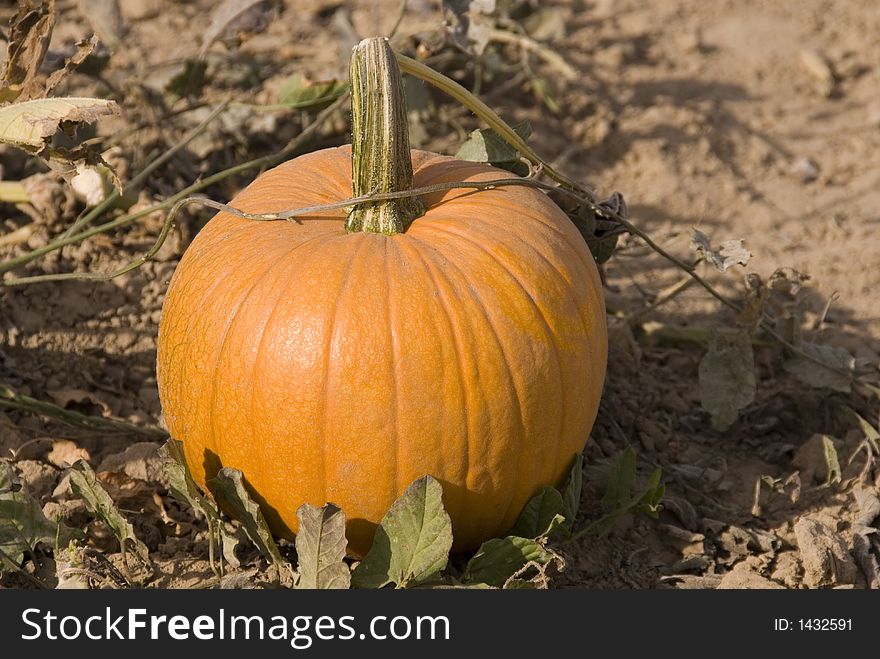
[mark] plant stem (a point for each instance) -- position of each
(135, 183)
(380, 155)
(263, 161)
(488, 115)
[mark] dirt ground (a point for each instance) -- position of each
(746, 119)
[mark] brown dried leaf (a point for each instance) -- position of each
(84, 48)
(29, 36)
(730, 252)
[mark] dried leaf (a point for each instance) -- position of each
(470, 23)
(413, 541)
(837, 372)
(320, 548)
(232, 15)
(729, 253)
(28, 125)
(22, 523)
(541, 515)
(727, 376)
(497, 560)
(85, 485)
(83, 50)
(105, 19)
(229, 486)
(29, 36)
(831, 459)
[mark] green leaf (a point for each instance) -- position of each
(485, 145)
(497, 560)
(727, 376)
(297, 92)
(320, 548)
(413, 541)
(650, 501)
(621, 479)
(85, 485)
(229, 485)
(22, 523)
(30, 124)
(542, 514)
(619, 499)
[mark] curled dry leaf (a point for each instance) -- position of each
(29, 35)
(98, 501)
(83, 50)
(729, 253)
(29, 125)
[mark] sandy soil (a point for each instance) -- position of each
(746, 119)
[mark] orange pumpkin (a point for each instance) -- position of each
(337, 365)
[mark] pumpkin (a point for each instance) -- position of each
(338, 359)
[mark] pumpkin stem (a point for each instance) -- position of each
(380, 156)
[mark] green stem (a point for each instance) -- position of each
(490, 117)
(380, 155)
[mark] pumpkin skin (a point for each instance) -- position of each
(340, 367)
